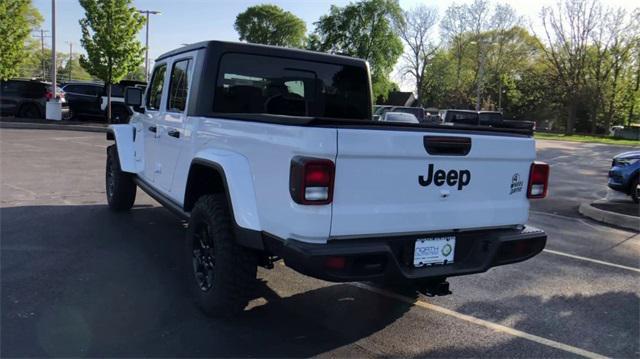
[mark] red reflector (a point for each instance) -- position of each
(49, 95)
(538, 180)
(335, 262)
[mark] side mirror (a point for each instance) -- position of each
(133, 96)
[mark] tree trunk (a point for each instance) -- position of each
(571, 119)
(594, 119)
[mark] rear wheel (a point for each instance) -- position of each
(635, 189)
(221, 273)
(120, 188)
(29, 110)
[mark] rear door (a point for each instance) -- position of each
(9, 97)
(413, 181)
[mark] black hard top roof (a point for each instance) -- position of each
(266, 50)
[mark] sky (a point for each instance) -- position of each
(188, 21)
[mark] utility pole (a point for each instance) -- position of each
(42, 36)
(53, 49)
(70, 58)
(146, 42)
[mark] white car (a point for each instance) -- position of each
(272, 153)
(400, 117)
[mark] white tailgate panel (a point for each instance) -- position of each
(377, 189)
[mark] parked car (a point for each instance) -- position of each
(624, 174)
(120, 113)
(84, 99)
(90, 99)
(399, 117)
(28, 98)
(462, 117)
(484, 118)
(272, 153)
(417, 112)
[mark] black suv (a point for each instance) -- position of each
(28, 98)
(90, 99)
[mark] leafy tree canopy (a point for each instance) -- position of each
(270, 25)
(17, 18)
(364, 29)
(109, 31)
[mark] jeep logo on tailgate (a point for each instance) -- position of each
(452, 178)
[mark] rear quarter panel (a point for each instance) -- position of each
(268, 150)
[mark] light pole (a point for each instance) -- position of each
(53, 48)
(146, 42)
(70, 58)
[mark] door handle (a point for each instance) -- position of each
(174, 133)
(153, 129)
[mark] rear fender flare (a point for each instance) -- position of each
(237, 179)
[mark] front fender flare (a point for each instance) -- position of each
(124, 136)
(238, 181)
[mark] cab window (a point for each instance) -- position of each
(179, 86)
(155, 89)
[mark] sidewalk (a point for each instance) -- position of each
(42, 124)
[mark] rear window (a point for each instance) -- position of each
(279, 86)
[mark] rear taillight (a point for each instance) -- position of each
(311, 180)
(538, 180)
(48, 95)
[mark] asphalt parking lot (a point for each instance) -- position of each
(78, 280)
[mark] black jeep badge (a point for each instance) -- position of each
(452, 178)
(516, 184)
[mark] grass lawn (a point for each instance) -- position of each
(586, 138)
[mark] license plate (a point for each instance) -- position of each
(434, 250)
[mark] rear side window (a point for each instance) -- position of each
(155, 89)
(281, 86)
(117, 91)
(179, 86)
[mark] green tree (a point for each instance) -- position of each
(365, 29)
(271, 25)
(17, 18)
(77, 71)
(109, 31)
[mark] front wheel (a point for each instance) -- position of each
(120, 188)
(221, 273)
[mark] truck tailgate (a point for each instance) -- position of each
(387, 182)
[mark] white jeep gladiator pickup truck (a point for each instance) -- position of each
(272, 153)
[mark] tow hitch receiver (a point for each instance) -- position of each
(433, 289)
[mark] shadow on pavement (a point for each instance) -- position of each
(569, 319)
(83, 281)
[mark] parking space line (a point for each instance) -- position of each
(581, 220)
(490, 325)
(592, 260)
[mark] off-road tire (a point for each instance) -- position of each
(120, 188)
(233, 268)
(634, 189)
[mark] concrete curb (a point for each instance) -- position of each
(53, 126)
(616, 219)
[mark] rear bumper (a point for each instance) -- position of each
(391, 258)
